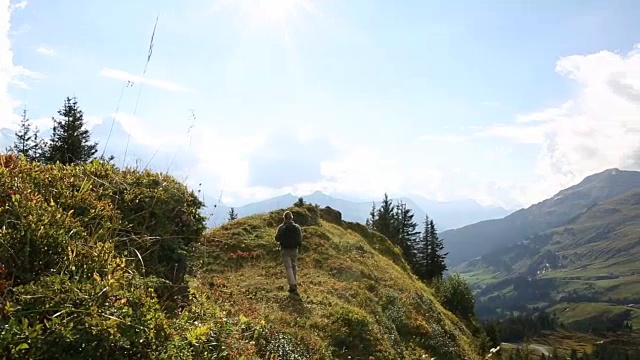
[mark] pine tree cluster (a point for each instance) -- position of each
(70, 141)
(422, 250)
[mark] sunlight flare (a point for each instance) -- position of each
(278, 13)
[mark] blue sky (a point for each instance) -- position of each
(502, 102)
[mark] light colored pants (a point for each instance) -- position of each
(290, 260)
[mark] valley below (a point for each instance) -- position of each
(583, 274)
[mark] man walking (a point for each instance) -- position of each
(289, 236)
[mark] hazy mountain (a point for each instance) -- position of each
(446, 215)
(6, 139)
(458, 213)
(478, 239)
(7, 136)
(593, 258)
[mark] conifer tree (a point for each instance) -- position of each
(437, 265)
(232, 214)
(406, 233)
(423, 257)
(385, 218)
(70, 142)
(430, 261)
(27, 141)
(371, 220)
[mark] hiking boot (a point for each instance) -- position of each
(293, 289)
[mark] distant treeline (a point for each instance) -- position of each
(603, 351)
(70, 141)
(521, 328)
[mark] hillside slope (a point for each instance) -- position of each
(585, 268)
(478, 239)
(106, 263)
(358, 298)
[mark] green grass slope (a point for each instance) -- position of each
(479, 239)
(358, 298)
(591, 261)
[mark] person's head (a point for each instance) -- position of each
(288, 216)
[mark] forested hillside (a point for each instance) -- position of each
(475, 240)
(583, 270)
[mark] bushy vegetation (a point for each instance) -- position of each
(456, 296)
(95, 265)
(91, 256)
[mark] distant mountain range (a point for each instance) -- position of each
(473, 241)
(446, 215)
(574, 254)
(586, 271)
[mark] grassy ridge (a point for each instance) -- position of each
(358, 298)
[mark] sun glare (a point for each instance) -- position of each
(259, 13)
(276, 10)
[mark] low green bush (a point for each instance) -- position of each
(456, 296)
(355, 332)
(91, 258)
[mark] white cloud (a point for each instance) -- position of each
(361, 171)
(8, 71)
(586, 134)
(18, 6)
(19, 72)
(518, 133)
(223, 162)
(147, 134)
(92, 120)
(549, 114)
(225, 157)
(46, 122)
(125, 76)
(595, 129)
(444, 138)
(217, 159)
(45, 50)
(368, 171)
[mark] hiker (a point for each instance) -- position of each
(289, 236)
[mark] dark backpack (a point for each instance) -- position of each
(290, 236)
